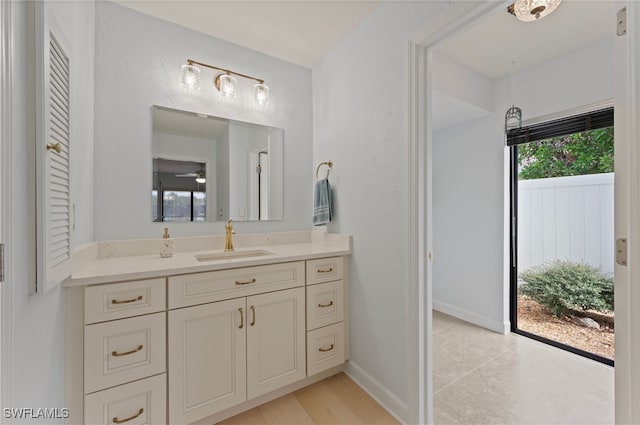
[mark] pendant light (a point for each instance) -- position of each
(532, 10)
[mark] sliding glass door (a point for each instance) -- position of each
(562, 233)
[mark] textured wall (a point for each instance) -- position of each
(138, 60)
(360, 108)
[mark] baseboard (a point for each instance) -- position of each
(389, 401)
(476, 319)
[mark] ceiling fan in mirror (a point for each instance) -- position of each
(199, 175)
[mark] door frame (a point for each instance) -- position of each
(627, 216)
(6, 328)
(455, 19)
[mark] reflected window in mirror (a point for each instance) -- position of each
(179, 192)
(240, 166)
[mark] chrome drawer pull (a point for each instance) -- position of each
(326, 305)
(329, 270)
(241, 319)
(324, 350)
(130, 418)
(247, 282)
(132, 300)
(126, 353)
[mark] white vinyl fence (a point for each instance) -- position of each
(566, 218)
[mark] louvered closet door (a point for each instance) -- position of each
(53, 150)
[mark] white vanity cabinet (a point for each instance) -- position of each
(116, 353)
(197, 347)
(225, 352)
(207, 359)
(326, 342)
(275, 340)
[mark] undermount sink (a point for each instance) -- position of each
(217, 256)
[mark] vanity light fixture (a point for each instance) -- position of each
(532, 10)
(191, 77)
(226, 83)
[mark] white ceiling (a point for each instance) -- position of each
(300, 32)
(491, 46)
(304, 31)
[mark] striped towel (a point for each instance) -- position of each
(322, 204)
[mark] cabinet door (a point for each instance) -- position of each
(207, 357)
(275, 340)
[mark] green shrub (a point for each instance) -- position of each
(564, 287)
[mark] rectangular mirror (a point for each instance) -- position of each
(209, 168)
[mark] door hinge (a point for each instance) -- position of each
(1, 262)
(621, 22)
(621, 251)
(259, 169)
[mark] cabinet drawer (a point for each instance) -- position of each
(324, 270)
(325, 348)
(140, 402)
(126, 299)
(200, 288)
(325, 304)
(123, 350)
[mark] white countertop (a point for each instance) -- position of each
(115, 261)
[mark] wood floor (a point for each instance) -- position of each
(336, 400)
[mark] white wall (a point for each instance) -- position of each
(37, 352)
(469, 175)
(138, 60)
(360, 108)
(461, 82)
(468, 220)
(461, 93)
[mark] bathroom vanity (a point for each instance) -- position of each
(202, 335)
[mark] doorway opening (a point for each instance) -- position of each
(562, 227)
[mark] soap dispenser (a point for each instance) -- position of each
(166, 245)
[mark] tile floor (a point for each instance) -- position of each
(481, 377)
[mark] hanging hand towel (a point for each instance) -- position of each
(322, 204)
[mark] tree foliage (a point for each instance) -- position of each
(590, 152)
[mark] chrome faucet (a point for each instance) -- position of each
(228, 241)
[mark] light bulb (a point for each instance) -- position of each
(226, 84)
(190, 77)
(201, 180)
(262, 94)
